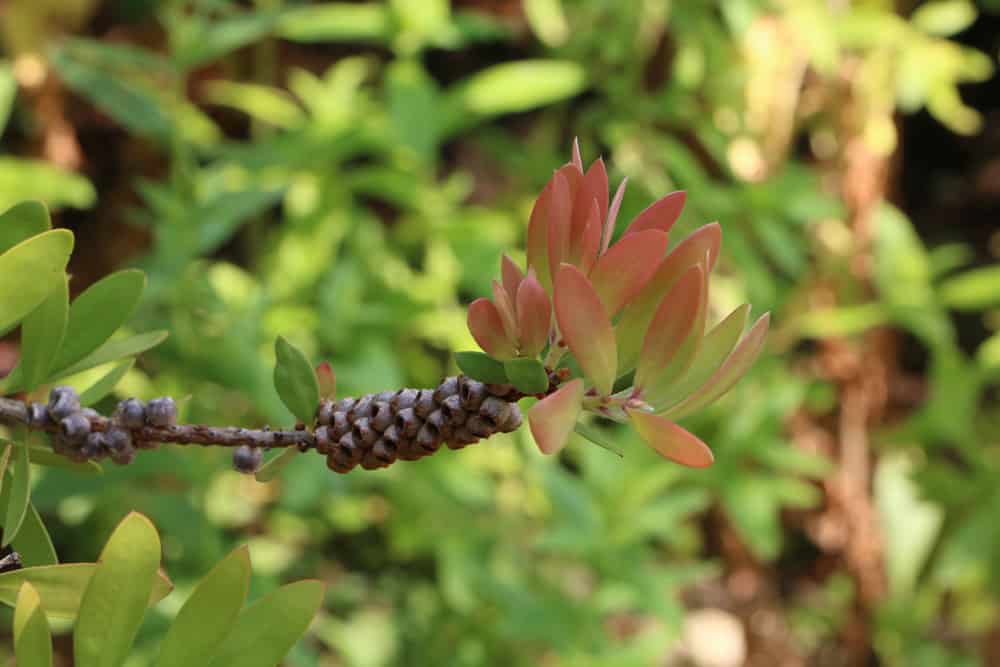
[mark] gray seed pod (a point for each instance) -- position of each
(344, 404)
(124, 456)
(38, 415)
(382, 417)
(350, 448)
(341, 425)
(429, 438)
(448, 387)
(337, 462)
(407, 422)
(247, 459)
(75, 428)
(324, 444)
(161, 412)
(384, 451)
(462, 438)
(513, 420)
(424, 404)
(117, 439)
(63, 401)
(94, 447)
(131, 413)
(362, 408)
(440, 423)
(363, 431)
(495, 411)
(405, 398)
(472, 392)
(479, 427)
(392, 435)
(385, 396)
(324, 413)
(451, 409)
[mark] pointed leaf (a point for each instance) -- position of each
(270, 470)
(588, 246)
(671, 441)
(99, 312)
(29, 271)
(511, 275)
(32, 639)
(626, 267)
(482, 367)
(537, 242)
(114, 603)
(734, 368)
(577, 158)
(207, 617)
(661, 214)
(295, 381)
(596, 181)
(609, 224)
(42, 334)
(673, 335)
(16, 493)
(534, 315)
(560, 217)
(33, 541)
(486, 327)
(62, 587)
(594, 436)
(326, 380)
(527, 375)
(586, 327)
(269, 627)
(44, 456)
(114, 350)
(505, 307)
(21, 222)
(552, 419)
(106, 384)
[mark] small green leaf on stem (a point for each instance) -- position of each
(481, 366)
(527, 375)
(295, 381)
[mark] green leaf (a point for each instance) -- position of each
(8, 91)
(481, 366)
(29, 271)
(17, 494)
(336, 21)
(527, 375)
(114, 350)
(273, 468)
(268, 628)
(42, 335)
(944, 18)
(8, 447)
(208, 615)
(202, 41)
(114, 603)
(22, 221)
(973, 290)
(44, 456)
(62, 587)
(106, 384)
(597, 438)
(32, 639)
(22, 179)
(295, 381)
(33, 541)
(99, 312)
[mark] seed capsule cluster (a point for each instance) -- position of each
(375, 430)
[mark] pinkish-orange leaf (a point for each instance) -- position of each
(671, 441)
(661, 214)
(327, 380)
(510, 274)
(596, 182)
(586, 327)
(624, 269)
(585, 249)
(552, 418)
(577, 158)
(560, 218)
(672, 338)
(534, 315)
(538, 236)
(487, 328)
(609, 224)
(505, 306)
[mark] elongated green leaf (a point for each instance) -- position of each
(114, 350)
(208, 615)
(597, 438)
(973, 290)
(205, 40)
(336, 21)
(99, 312)
(62, 586)
(520, 86)
(44, 456)
(295, 381)
(29, 271)
(527, 375)
(106, 384)
(269, 627)
(32, 639)
(21, 222)
(33, 541)
(42, 335)
(22, 179)
(5, 451)
(115, 600)
(481, 366)
(17, 495)
(273, 468)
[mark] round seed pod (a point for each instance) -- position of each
(341, 425)
(424, 404)
(117, 440)
(494, 410)
(404, 398)
(407, 422)
(324, 413)
(441, 425)
(479, 427)
(428, 438)
(392, 435)
(384, 451)
(38, 415)
(336, 462)
(324, 444)
(370, 462)
(362, 408)
(382, 417)
(448, 387)
(350, 449)
(472, 392)
(451, 409)
(94, 447)
(247, 459)
(161, 412)
(131, 413)
(344, 404)
(124, 456)
(63, 402)
(74, 428)
(513, 420)
(363, 431)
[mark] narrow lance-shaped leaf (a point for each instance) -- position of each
(577, 158)
(661, 214)
(511, 275)
(115, 600)
(735, 366)
(106, 384)
(670, 440)
(29, 271)
(505, 307)
(17, 493)
(552, 419)
(586, 327)
(585, 251)
(596, 180)
(295, 381)
(534, 315)
(21, 222)
(270, 470)
(560, 218)
(609, 224)
(487, 328)
(207, 617)
(42, 334)
(114, 350)
(537, 242)
(626, 267)
(32, 638)
(33, 541)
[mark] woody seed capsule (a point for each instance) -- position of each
(382, 417)
(472, 393)
(424, 404)
(448, 387)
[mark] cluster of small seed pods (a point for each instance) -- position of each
(375, 430)
(76, 436)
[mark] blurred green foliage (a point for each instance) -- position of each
(346, 175)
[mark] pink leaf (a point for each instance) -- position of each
(671, 441)
(505, 306)
(511, 275)
(661, 214)
(552, 418)
(560, 217)
(585, 248)
(577, 158)
(609, 224)
(672, 338)
(487, 328)
(327, 380)
(596, 182)
(625, 268)
(538, 236)
(734, 368)
(586, 327)
(534, 315)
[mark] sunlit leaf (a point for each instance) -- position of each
(624, 269)
(16, 493)
(22, 221)
(42, 334)
(32, 639)
(33, 541)
(29, 272)
(552, 419)
(114, 350)
(661, 214)
(106, 384)
(972, 290)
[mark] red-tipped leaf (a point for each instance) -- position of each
(586, 327)
(534, 315)
(537, 243)
(327, 380)
(560, 218)
(487, 328)
(552, 419)
(661, 214)
(626, 267)
(577, 158)
(609, 224)
(671, 441)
